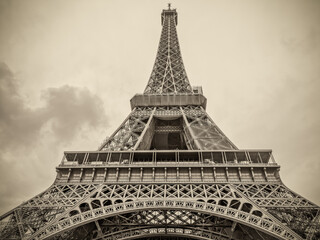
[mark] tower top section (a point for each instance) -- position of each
(168, 74)
(171, 12)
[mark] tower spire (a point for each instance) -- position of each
(168, 75)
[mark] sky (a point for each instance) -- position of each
(69, 68)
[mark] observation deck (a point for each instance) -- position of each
(169, 166)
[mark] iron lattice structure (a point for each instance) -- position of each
(168, 172)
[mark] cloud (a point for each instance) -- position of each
(69, 109)
(305, 42)
(31, 139)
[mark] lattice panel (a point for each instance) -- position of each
(43, 208)
(168, 74)
(167, 111)
(201, 223)
(127, 135)
(273, 195)
(305, 222)
(216, 191)
(203, 131)
(199, 129)
(154, 213)
(294, 211)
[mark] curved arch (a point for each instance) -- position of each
(107, 202)
(118, 201)
(246, 207)
(262, 224)
(257, 213)
(84, 207)
(186, 232)
(95, 204)
(212, 201)
(235, 204)
(223, 202)
(73, 213)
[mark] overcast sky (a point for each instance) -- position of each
(69, 68)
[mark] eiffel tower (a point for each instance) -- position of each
(168, 172)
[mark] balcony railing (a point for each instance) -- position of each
(160, 157)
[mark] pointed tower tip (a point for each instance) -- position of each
(169, 12)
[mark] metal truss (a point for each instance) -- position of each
(40, 210)
(291, 209)
(137, 130)
(79, 203)
(96, 203)
(129, 132)
(202, 131)
(183, 223)
(168, 75)
(93, 209)
(273, 195)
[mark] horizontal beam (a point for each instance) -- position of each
(153, 100)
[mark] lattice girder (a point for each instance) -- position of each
(27, 218)
(199, 129)
(180, 222)
(108, 201)
(168, 75)
(204, 131)
(27, 221)
(291, 209)
(127, 135)
(120, 208)
(273, 195)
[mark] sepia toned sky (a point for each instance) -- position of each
(69, 68)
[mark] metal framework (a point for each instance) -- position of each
(168, 172)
